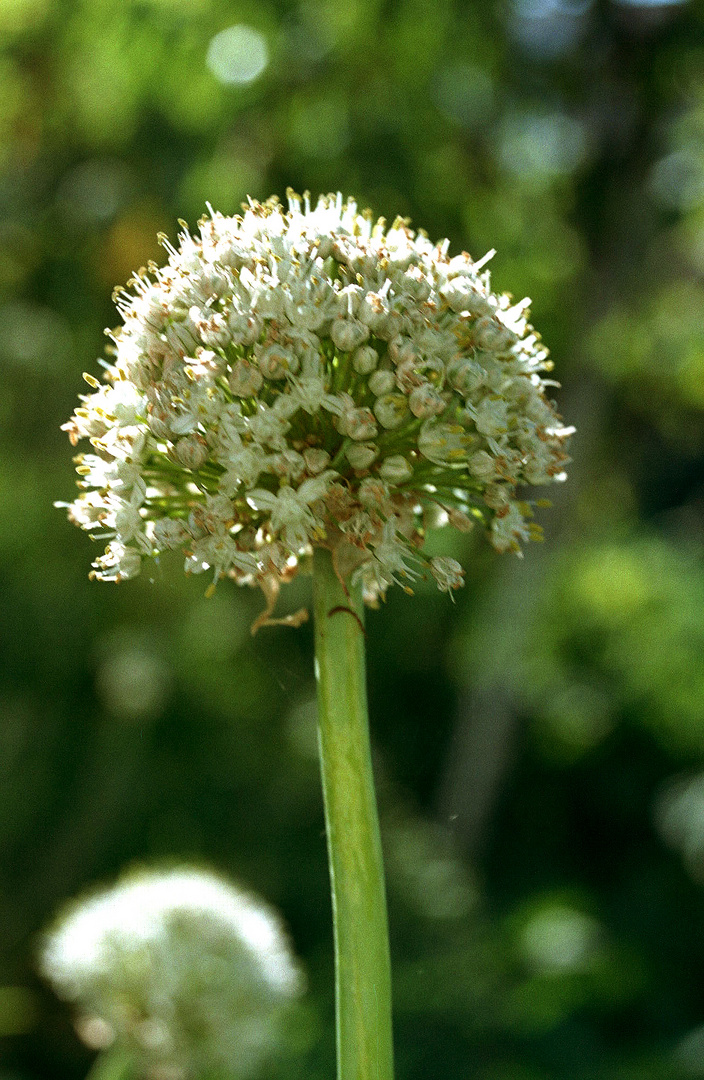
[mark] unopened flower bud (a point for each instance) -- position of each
(395, 469)
(425, 401)
(347, 334)
(361, 455)
(444, 443)
(276, 362)
(492, 335)
(459, 293)
(191, 452)
(372, 312)
(402, 349)
(348, 300)
(244, 329)
(245, 379)
(382, 382)
(465, 375)
(391, 410)
(365, 359)
(491, 417)
(482, 465)
(316, 460)
(360, 424)
(158, 420)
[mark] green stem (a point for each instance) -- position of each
(362, 964)
(112, 1064)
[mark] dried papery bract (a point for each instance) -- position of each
(308, 378)
(179, 971)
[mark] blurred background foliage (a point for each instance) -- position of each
(540, 743)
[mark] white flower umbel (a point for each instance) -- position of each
(307, 382)
(279, 361)
(178, 970)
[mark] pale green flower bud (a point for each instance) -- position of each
(347, 301)
(276, 362)
(465, 375)
(365, 359)
(402, 350)
(395, 469)
(316, 460)
(425, 401)
(245, 379)
(347, 334)
(391, 410)
(191, 452)
(491, 417)
(419, 372)
(245, 328)
(493, 336)
(382, 382)
(373, 312)
(360, 424)
(459, 293)
(361, 455)
(482, 465)
(444, 443)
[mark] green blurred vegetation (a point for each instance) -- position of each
(540, 743)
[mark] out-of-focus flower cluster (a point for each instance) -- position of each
(302, 378)
(178, 969)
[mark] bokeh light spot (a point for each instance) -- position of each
(559, 938)
(17, 15)
(94, 191)
(33, 336)
(542, 145)
(238, 55)
(679, 817)
(547, 29)
(132, 683)
(649, 3)
(614, 583)
(677, 181)
(689, 1053)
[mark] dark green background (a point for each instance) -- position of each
(540, 742)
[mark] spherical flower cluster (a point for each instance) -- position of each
(302, 378)
(180, 970)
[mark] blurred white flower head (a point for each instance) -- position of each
(188, 974)
(281, 362)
